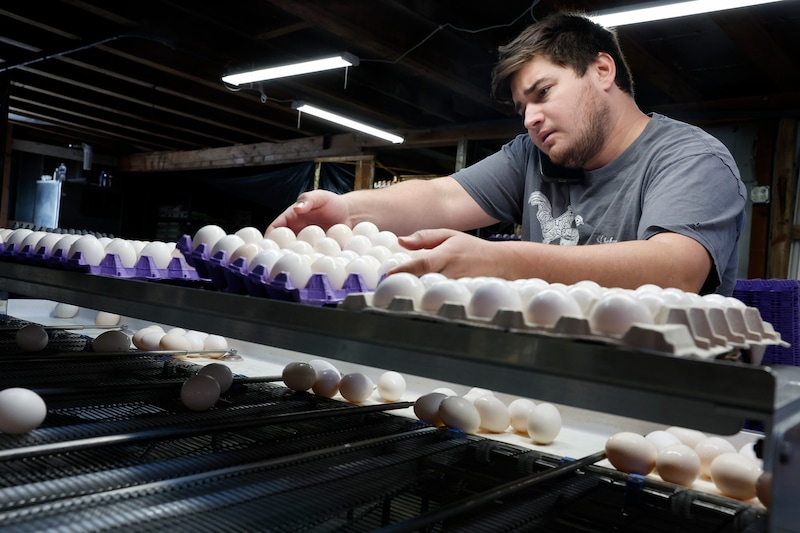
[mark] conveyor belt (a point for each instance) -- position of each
(110, 456)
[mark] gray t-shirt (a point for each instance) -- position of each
(675, 177)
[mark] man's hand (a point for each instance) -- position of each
(321, 208)
(452, 253)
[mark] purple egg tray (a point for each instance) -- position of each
(111, 265)
(235, 277)
(778, 301)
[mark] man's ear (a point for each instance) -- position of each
(605, 70)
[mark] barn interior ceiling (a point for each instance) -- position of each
(132, 79)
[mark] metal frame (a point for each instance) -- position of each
(714, 396)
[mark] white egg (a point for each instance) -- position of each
(208, 235)
(366, 228)
(326, 383)
(426, 407)
(674, 297)
(21, 410)
(381, 253)
(764, 488)
(228, 244)
(340, 233)
(104, 318)
(689, 437)
(492, 295)
(297, 268)
(585, 296)
(458, 413)
(446, 391)
(248, 251)
(299, 376)
(366, 269)
(16, 237)
(518, 411)
(429, 279)
(355, 387)
(748, 450)
(548, 305)
(222, 373)
(159, 252)
(333, 270)
(358, 244)
(112, 341)
(477, 392)
(49, 242)
(141, 332)
(544, 423)
(391, 386)
(196, 341)
(493, 412)
(176, 331)
(708, 449)
(321, 364)
(282, 236)
(174, 342)
(63, 310)
(64, 244)
(400, 285)
(267, 258)
(90, 248)
(615, 313)
(31, 241)
(385, 238)
(662, 439)
(735, 475)
(200, 392)
(300, 247)
(678, 464)
(250, 234)
(215, 342)
(311, 234)
(123, 249)
(446, 291)
(529, 288)
(32, 338)
(327, 246)
(151, 340)
(632, 453)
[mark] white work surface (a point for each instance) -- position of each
(583, 432)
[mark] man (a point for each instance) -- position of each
(656, 200)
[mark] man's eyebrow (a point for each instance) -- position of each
(531, 89)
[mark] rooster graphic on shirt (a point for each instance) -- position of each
(560, 227)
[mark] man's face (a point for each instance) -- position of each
(565, 115)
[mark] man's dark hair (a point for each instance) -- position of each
(566, 39)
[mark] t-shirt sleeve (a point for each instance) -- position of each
(497, 183)
(701, 196)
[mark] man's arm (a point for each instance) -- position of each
(666, 259)
(402, 208)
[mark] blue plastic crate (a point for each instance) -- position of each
(778, 301)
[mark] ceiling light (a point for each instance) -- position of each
(659, 12)
(344, 121)
(305, 67)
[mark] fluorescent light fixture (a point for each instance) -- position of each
(674, 10)
(344, 121)
(294, 69)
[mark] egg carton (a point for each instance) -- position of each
(705, 333)
(111, 265)
(235, 277)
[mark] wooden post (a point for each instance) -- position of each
(760, 214)
(365, 173)
(783, 199)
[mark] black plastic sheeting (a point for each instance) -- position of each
(277, 189)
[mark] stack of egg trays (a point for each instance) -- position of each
(236, 278)
(778, 300)
(111, 265)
